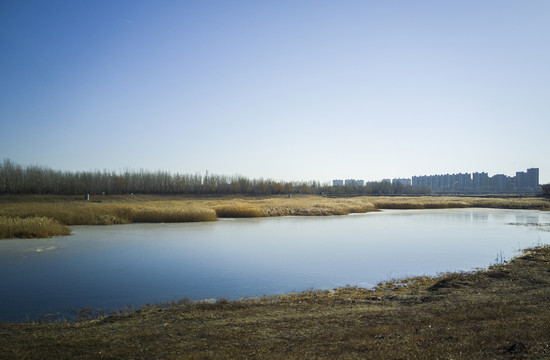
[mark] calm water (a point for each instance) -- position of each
(109, 267)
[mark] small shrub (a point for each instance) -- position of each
(32, 227)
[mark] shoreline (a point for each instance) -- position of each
(498, 312)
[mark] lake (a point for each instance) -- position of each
(110, 267)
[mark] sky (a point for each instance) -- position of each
(284, 90)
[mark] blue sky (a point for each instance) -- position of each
(291, 90)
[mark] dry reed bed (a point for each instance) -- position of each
(419, 203)
(444, 202)
(298, 206)
(132, 209)
(155, 214)
(512, 203)
(92, 213)
(33, 227)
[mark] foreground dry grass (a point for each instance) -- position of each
(501, 313)
(107, 210)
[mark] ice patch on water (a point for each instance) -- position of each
(46, 248)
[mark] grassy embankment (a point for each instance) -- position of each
(63, 211)
(499, 313)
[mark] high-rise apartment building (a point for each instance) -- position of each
(404, 182)
(523, 182)
(533, 178)
(476, 183)
(354, 182)
(480, 182)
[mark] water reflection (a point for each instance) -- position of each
(527, 219)
(113, 266)
(480, 216)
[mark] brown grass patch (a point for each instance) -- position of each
(156, 215)
(32, 227)
(444, 202)
(238, 210)
(108, 210)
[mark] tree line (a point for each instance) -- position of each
(35, 179)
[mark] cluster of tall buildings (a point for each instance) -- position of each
(348, 182)
(480, 183)
(476, 183)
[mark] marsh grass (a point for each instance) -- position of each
(406, 203)
(110, 213)
(45, 219)
(310, 206)
(32, 227)
(69, 213)
(530, 203)
(157, 215)
(238, 210)
(450, 202)
(110, 210)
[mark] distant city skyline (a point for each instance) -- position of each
(284, 90)
(477, 182)
(481, 182)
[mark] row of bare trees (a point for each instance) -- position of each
(16, 179)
